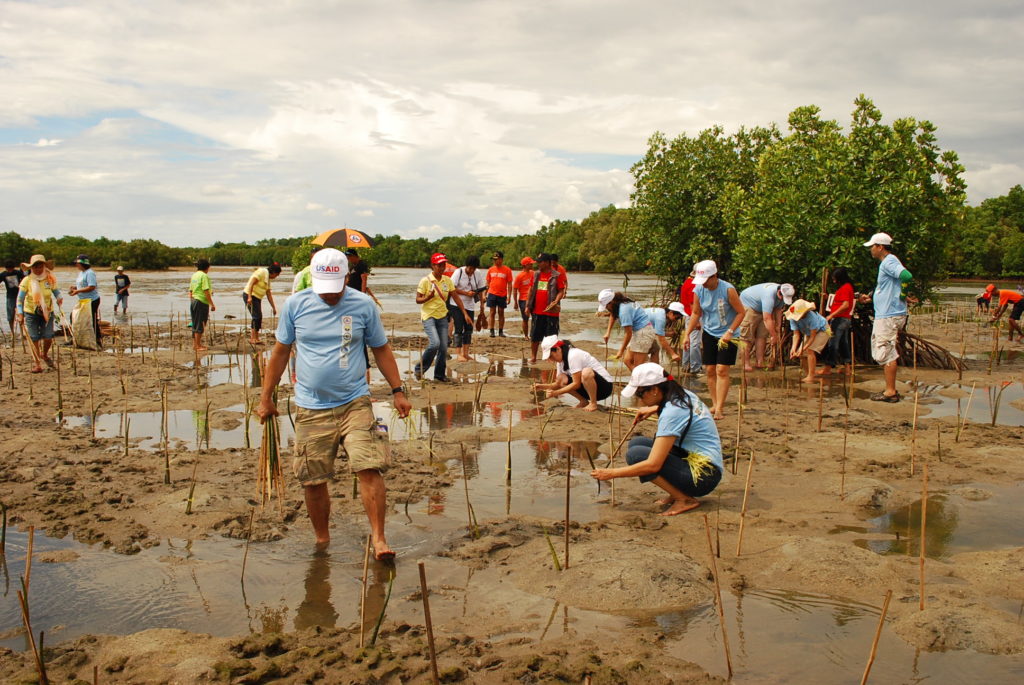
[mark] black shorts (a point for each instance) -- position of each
(542, 326)
(1018, 309)
(497, 301)
(604, 388)
(200, 312)
(522, 310)
(711, 355)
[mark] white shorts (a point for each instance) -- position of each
(643, 341)
(884, 334)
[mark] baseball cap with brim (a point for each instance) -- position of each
(604, 297)
(797, 310)
(788, 292)
(328, 269)
(82, 259)
(879, 239)
(120, 268)
(644, 376)
(990, 287)
(543, 257)
(677, 307)
(438, 258)
(527, 261)
(702, 271)
(547, 344)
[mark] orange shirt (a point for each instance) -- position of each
(1009, 296)
(498, 280)
(523, 283)
(449, 269)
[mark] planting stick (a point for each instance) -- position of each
(163, 433)
(3, 531)
(636, 420)
(508, 458)
(31, 639)
(842, 467)
(821, 401)
(60, 394)
(248, 538)
(961, 425)
(28, 558)
(568, 484)
(743, 509)
(435, 678)
(878, 634)
(718, 597)
(739, 428)
(924, 523)
(362, 593)
(192, 486)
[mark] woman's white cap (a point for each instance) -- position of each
(702, 271)
(644, 375)
(604, 297)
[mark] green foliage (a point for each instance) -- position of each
(611, 242)
(13, 246)
(988, 240)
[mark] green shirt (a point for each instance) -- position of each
(199, 285)
(302, 280)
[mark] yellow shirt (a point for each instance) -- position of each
(435, 307)
(261, 286)
(29, 304)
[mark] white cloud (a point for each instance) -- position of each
(364, 212)
(48, 142)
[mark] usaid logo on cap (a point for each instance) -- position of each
(327, 269)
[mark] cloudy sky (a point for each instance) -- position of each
(208, 120)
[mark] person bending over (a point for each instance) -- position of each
(578, 373)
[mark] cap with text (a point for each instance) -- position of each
(438, 258)
(702, 271)
(879, 239)
(328, 269)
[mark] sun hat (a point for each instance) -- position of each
(547, 344)
(703, 271)
(788, 292)
(643, 376)
(527, 261)
(879, 239)
(36, 258)
(328, 269)
(82, 259)
(120, 268)
(797, 310)
(677, 307)
(438, 258)
(603, 298)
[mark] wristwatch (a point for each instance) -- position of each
(395, 391)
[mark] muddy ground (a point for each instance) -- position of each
(865, 459)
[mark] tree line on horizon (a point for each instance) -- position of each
(766, 205)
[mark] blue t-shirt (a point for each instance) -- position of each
(716, 314)
(810, 321)
(329, 362)
(762, 297)
(658, 319)
(84, 280)
(702, 438)
(888, 289)
(632, 314)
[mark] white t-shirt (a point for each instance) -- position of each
(464, 281)
(581, 359)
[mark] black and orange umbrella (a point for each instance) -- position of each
(343, 238)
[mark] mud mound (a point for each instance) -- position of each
(814, 565)
(997, 572)
(975, 627)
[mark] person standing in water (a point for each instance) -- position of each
(200, 295)
(256, 288)
(37, 294)
(121, 285)
(87, 288)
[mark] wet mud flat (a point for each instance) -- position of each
(124, 580)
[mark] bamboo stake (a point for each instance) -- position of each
(743, 509)
(23, 602)
(718, 597)
(28, 559)
(568, 485)
(248, 538)
(878, 634)
(3, 531)
(924, 523)
(508, 458)
(961, 425)
(435, 678)
(362, 593)
(821, 401)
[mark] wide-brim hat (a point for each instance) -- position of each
(36, 258)
(796, 311)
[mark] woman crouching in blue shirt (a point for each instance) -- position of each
(685, 457)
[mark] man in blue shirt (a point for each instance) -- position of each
(890, 312)
(763, 304)
(329, 324)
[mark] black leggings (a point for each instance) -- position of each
(255, 307)
(96, 319)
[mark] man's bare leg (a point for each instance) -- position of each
(712, 373)
(759, 344)
(890, 378)
(681, 502)
(318, 506)
(374, 496)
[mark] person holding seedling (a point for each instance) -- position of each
(890, 311)
(577, 373)
(763, 304)
(810, 334)
(685, 456)
(1006, 298)
(639, 339)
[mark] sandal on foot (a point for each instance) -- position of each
(882, 397)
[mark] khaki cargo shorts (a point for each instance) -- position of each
(820, 340)
(753, 327)
(643, 340)
(318, 432)
(884, 334)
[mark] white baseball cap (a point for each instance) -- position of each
(547, 344)
(702, 271)
(644, 375)
(677, 307)
(788, 293)
(328, 269)
(879, 239)
(603, 298)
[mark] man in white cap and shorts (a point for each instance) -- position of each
(762, 319)
(329, 324)
(890, 312)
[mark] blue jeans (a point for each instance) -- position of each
(691, 358)
(675, 470)
(437, 337)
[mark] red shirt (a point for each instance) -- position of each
(523, 283)
(686, 295)
(540, 300)
(844, 294)
(498, 280)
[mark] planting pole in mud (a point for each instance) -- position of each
(913, 428)
(718, 597)
(23, 601)
(961, 425)
(878, 634)
(163, 433)
(821, 400)
(362, 593)
(60, 394)
(435, 678)
(28, 559)
(3, 531)
(508, 443)
(924, 523)
(568, 484)
(248, 538)
(743, 509)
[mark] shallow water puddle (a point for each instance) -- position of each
(988, 401)
(779, 636)
(958, 521)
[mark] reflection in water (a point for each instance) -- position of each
(316, 608)
(943, 519)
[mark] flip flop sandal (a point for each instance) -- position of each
(882, 397)
(384, 556)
